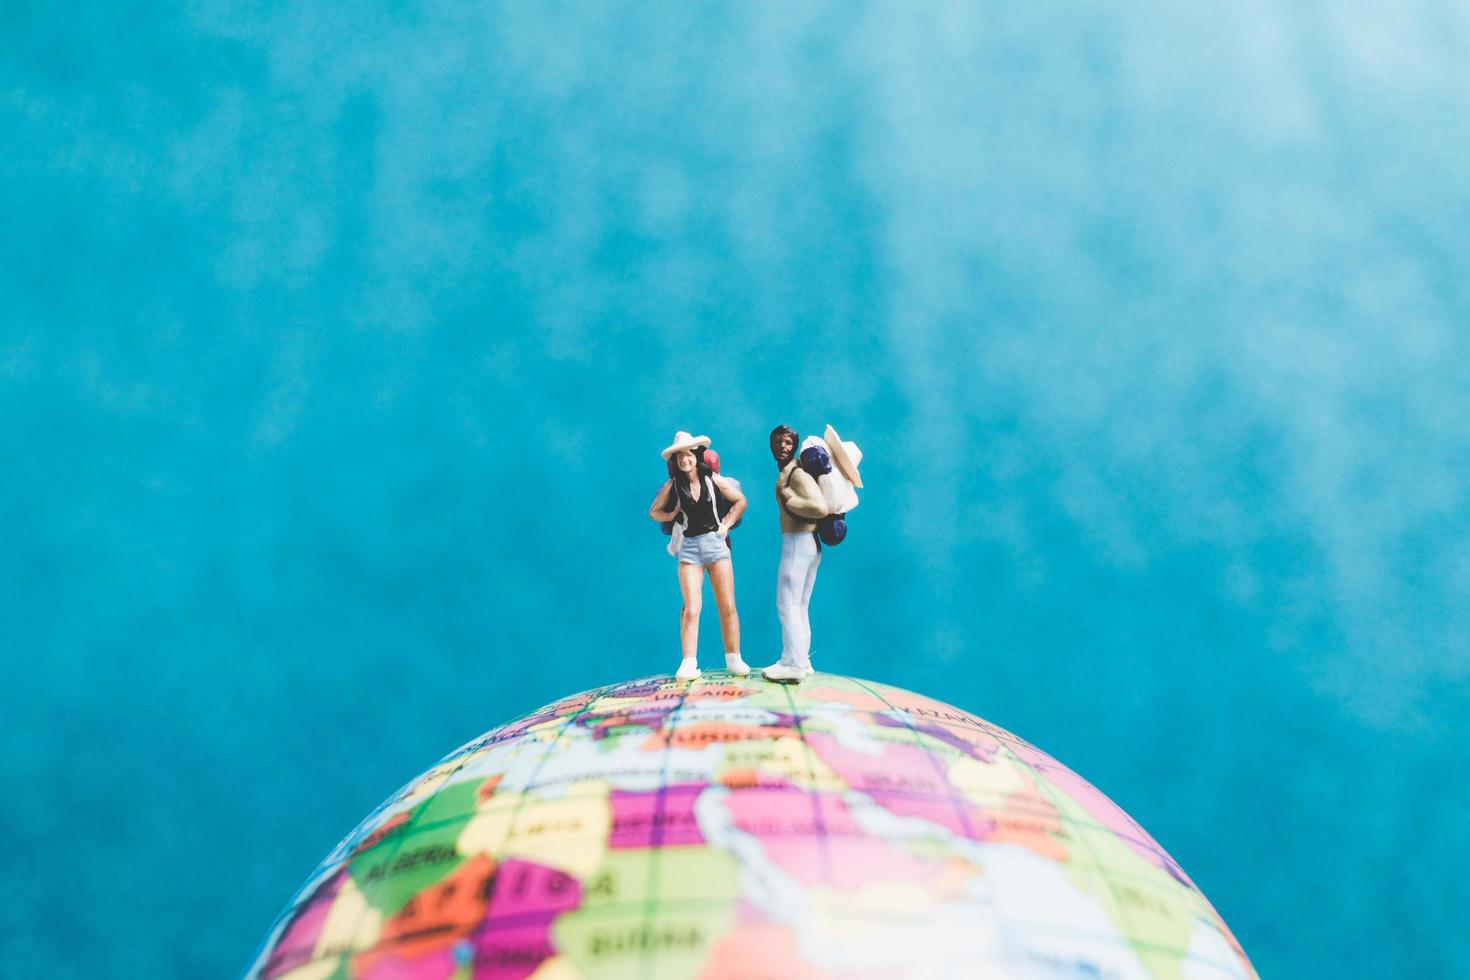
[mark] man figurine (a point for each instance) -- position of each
(802, 505)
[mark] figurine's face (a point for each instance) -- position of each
(782, 447)
(684, 461)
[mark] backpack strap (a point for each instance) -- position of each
(709, 489)
(680, 517)
(787, 485)
(797, 517)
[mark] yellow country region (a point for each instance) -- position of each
(569, 833)
(841, 914)
(556, 968)
(1151, 908)
(784, 758)
(986, 783)
(351, 924)
(314, 970)
(546, 731)
(1006, 790)
(616, 706)
(430, 781)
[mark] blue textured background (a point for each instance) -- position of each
(339, 343)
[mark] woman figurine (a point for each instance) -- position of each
(688, 499)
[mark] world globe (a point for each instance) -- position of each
(734, 828)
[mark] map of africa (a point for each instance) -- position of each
(733, 828)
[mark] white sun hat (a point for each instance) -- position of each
(683, 440)
(845, 456)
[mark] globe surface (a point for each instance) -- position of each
(733, 828)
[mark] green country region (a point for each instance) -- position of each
(651, 913)
(1147, 903)
(405, 863)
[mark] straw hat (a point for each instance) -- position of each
(845, 456)
(682, 441)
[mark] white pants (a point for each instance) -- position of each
(795, 577)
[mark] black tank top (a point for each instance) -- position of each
(699, 515)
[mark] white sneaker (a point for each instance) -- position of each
(737, 666)
(688, 670)
(784, 673)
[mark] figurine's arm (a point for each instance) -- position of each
(656, 511)
(736, 498)
(803, 497)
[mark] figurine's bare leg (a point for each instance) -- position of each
(722, 580)
(691, 586)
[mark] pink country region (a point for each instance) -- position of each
(515, 937)
(904, 780)
(660, 817)
(814, 839)
(296, 945)
(1102, 809)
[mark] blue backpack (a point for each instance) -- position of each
(832, 529)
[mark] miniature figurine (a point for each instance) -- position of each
(809, 491)
(699, 541)
(801, 505)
